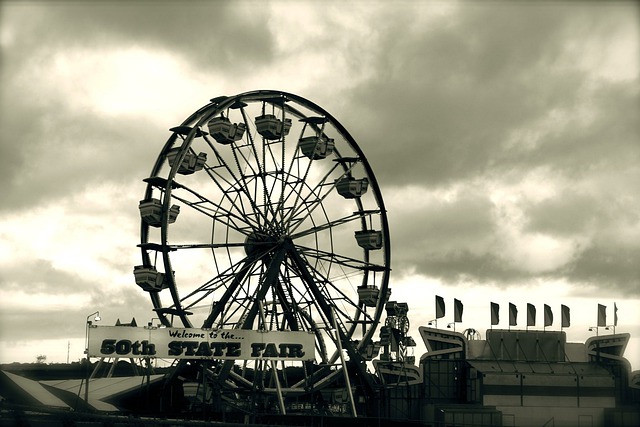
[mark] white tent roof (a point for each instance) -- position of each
(102, 389)
(35, 390)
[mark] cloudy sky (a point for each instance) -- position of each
(505, 137)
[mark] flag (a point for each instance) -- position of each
(602, 315)
(495, 313)
(513, 315)
(457, 310)
(548, 316)
(531, 315)
(566, 316)
(439, 307)
(615, 314)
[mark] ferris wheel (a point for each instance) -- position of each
(261, 212)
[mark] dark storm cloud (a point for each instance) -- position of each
(40, 131)
(569, 214)
(63, 153)
(602, 139)
(613, 269)
(218, 35)
(493, 95)
(12, 157)
(462, 266)
(68, 322)
(448, 98)
(446, 239)
(449, 109)
(39, 277)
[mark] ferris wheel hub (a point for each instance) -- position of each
(259, 242)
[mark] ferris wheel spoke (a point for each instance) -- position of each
(336, 294)
(331, 311)
(271, 164)
(267, 281)
(348, 165)
(302, 268)
(237, 202)
(299, 180)
(234, 183)
(247, 298)
(287, 303)
(331, 224)
(299, 301)
(306, 302)
(345, 261)
(247, 265)
(299, 177)
(200, 246)
(313, 326)
(261, 175)
(303, 203)
(262, 169)
(215, 283)
(257, 178)
(246, 163)
(218, 212)
(250, 137)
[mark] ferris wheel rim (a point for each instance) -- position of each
(196, 121)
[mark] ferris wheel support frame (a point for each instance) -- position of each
(281, 250)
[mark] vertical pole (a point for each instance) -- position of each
(86, 384)
(344, 364)
(280, 399)
(148, 360)
(263, 318)
(204, 390)
(578, 389)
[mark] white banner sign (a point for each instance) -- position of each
(192, 343)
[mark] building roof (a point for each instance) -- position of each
(550, 368)
(103, 393)
(22, 389)
(103, 390)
